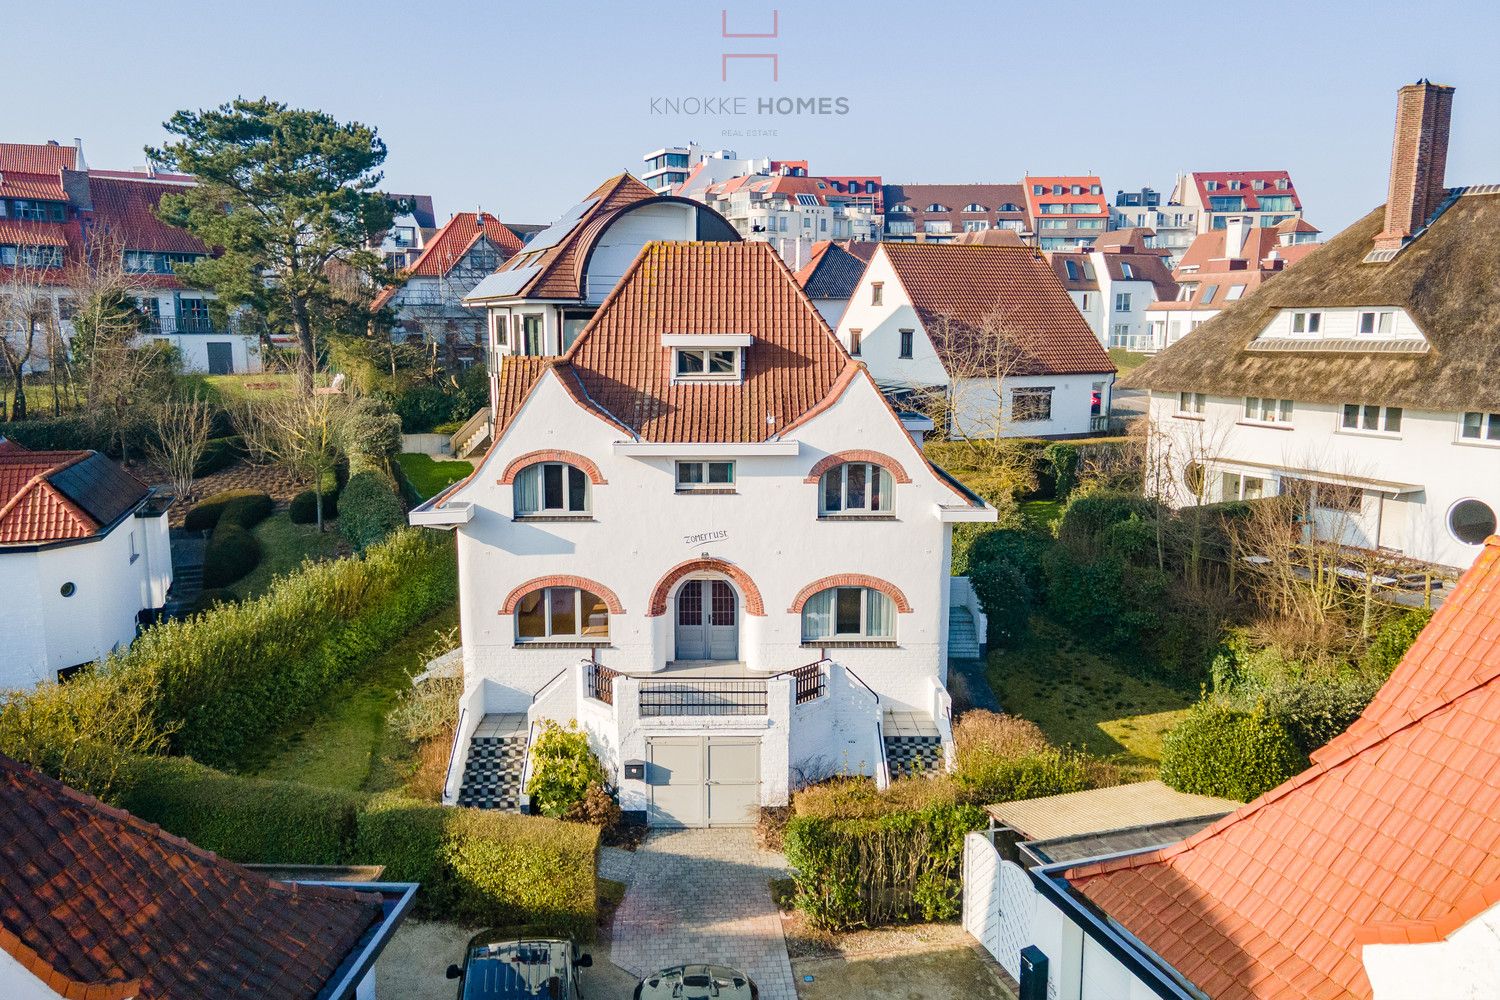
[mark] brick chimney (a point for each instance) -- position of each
(1419, 156)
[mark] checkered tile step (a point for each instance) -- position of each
(492, 775)
(908, 754)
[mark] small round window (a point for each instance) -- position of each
(68, 589)
(1471, 521)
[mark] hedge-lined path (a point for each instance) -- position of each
(703, 896)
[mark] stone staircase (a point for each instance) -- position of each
(187, 571)
(912, 744)
(497, 756)
(963, 640)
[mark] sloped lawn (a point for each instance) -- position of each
(1087, 700)
(283, 547)
(428, 476)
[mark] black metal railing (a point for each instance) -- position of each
(599, 682)
(707, 696)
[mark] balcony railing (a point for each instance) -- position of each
(172, 325)
(599, 682)
(703, 696)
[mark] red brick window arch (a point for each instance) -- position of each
(849, 606)
(857, 482)
(562, 608)
(552, 482)
(754, 605)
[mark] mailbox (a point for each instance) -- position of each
(1033, 973)
(635, 770)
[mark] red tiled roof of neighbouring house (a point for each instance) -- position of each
(620, 369)
(53, 496)
(1087, 185)
(98, 904)
(1143, 267)
(557, 276)
(1080, 276)
(1246, 180)
(961, 291)
(25, 232)
(1132, 239)
(37, 157)
(41, 187)
(991, 237)
(1392, 835)
(449, 245)
(1296, 225)
(126, 210)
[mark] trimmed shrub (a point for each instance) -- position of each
(374, 433)
(368, 509)
(485, 866)
(1224, 751)
(1315, 711)
(1005, 568)
(858, 798)
(83, 433)
(220, 453)
(871, 872)
(562, 768)
(247, 511)
(238, 672)
(204, 514)
(1086, 517)
(231, 553)
(1393, 639)
(304, 507)
(1001, 758)
(250, 820)
(424, 407)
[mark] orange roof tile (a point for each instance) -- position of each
(43, 187)
(1392, 835)
(964, 290)
(53, 496)
(37, 157)
(126, 209)
(100, 905)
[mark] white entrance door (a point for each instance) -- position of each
(707, 621)
(703, 780)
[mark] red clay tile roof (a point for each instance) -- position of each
(99, 904)
(126, 209)
(1134, 237)
(449, 245)
(558, 277)
(1247, 178)
(1085, 182)
(53, 496)
(960, 289)
(1146, 266)
(991, 237)
(26, 232)
(1392, 835)
(37, 157)
(43, 187)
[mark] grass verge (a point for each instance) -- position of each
(1126, 361)
(344, 743)
(1079, 697)
(1041, 513)
(429, 477)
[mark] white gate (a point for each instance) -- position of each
(999, 902)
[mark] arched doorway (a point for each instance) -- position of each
(706, 620)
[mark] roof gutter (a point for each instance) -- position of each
(404, 894)
(1142, 962)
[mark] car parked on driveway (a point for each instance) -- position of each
(501, 967)
(697, 982)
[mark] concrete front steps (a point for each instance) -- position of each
(497, 757)
(912, 744)
(963, 640)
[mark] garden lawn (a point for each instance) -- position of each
(1126, 361)
(344, 742)
(1041, 512)
(283, 547)
(429, 477)
(1082, 698)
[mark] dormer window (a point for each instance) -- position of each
(707, 357)
(1307, 323)
(974, 206)
(1376, 324)
(1126, 271)
(1282, 184)
(935, 207)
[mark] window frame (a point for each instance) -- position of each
(706, 483)
(1281, 412)
(879, 492)
(706, 374)
(1356, 418)
(908, 344)
(1311, 320)
(1488, 429)
(549, 634)
(877, 293)
(1040, 392)
(1191, 404)
(568, 477)
(856, 342)
(863, 634)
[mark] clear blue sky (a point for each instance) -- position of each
(523, 107)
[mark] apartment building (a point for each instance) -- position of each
(1266, 196)
(1066, 212)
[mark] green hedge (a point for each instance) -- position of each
(230, 677)
(368, 509)
(870, 872)
(82, 434)
(475, 866)
(304, 507)
(1228, 752)
(220, 453)
(252, 507)
(231, 553)
(248, 820)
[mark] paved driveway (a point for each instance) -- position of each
(701, 896)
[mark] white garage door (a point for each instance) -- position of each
(703, 780)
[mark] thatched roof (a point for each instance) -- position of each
(1447, 279)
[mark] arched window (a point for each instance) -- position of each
(848, 613)
(561, 613)
(855, 488)
(935, 207)
(552, 488)
(974, 206)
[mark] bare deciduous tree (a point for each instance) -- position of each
(307, 434)
(182, 429)
(27, 319)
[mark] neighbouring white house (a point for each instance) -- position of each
(1374, 874)
(427, 296)
(413, 223)
(1361, 380)
(104, 906)
(1113, 286)
(1220, 268)
(831, 274)
(990, 329)
(542, 297)
(85, 557)
(703, 534)
(1171, 227)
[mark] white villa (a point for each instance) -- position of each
(1363, 377)
(85, 556)
(703, 534)
(989, 326)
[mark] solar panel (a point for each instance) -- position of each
(503, 283)
(555, 233)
